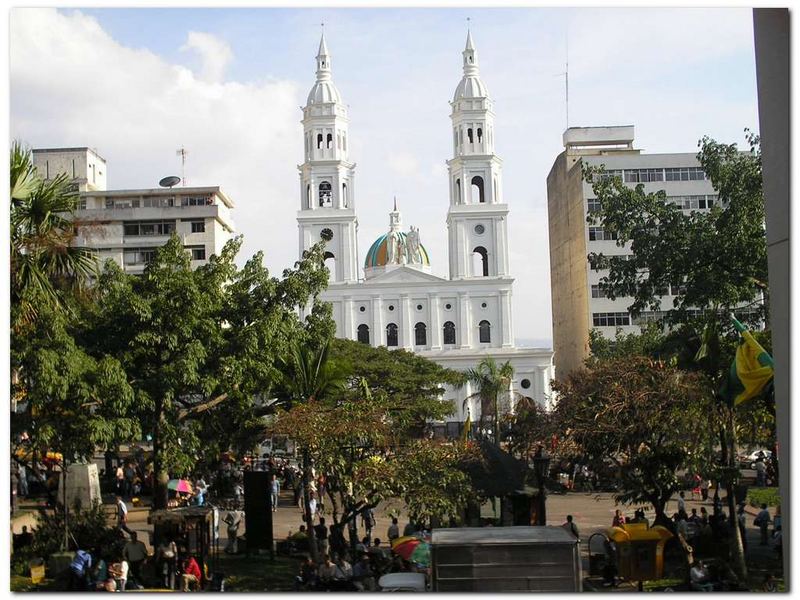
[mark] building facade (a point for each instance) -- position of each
(128, 225)
(577, 300)
(398, 302)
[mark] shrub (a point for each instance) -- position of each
(757, 496)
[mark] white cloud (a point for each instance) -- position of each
(404, 164)
(73, 85)
(214, 53)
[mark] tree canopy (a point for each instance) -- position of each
(715, 259)
(645, 418)
(200, 344)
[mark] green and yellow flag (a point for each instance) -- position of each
(751, 370)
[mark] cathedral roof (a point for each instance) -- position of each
(378, 255)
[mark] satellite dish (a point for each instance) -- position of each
(170, 181)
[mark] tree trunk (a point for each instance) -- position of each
(312, 541)
(738, 558)
(160, 476)
(64, 469)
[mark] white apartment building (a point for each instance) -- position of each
(128, 225)
(578, 303)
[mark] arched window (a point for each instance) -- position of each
(363, 334)
(319, 140)
(330, 141)
(344, 194)
(325, 193)
(480, 135)
(480, 262)
(477, 188)
(391, 334)
(330, 262)
(469, 135)
(458, 191)
(449, 332)
(420, 334)
(485, 334)
(308, 195)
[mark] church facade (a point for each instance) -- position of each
(399, 303)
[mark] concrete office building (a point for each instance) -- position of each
(128, 225)
(578, 302)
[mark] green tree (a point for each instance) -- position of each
(197, 343)
(716, 259)
(651, 420)
(44, 260)
(492, 382)
(367, 440)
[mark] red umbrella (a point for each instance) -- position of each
(414, 550)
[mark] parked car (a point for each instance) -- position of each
(750, 459)
(402, 582)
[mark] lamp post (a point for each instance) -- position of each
(541, 466)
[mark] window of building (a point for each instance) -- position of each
(330, 262)
(611, 173)
(480, 135)
(420, 334)
(325, 196)
(391, 334)
(480, 262)
(484, 332)
(363, 333)
(82, 204)
(479, 229)
(149, 228)
(598, 234)
(593, 205)
(469, 135)
(477, 189)
(678, 289)
(319, 141)
(198, 253)
(198, 226)
(196, 200)
(138, 256)
(598, 292)
(449, 331)
(684, 174)
(525, 383)
(610, 319)
(643, 175)
(694, 202)
(329, 141)
(122, 203)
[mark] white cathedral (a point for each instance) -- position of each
(458, 321)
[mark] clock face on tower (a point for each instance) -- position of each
(326, 234)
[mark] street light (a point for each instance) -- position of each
(541, 467)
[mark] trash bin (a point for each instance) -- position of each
(36, 565)
(641, 550)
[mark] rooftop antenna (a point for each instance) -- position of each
(183, 152)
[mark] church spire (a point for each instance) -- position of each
(470, 57)
(323, 60)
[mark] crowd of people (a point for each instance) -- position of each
(340, 567)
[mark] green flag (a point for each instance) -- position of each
(751, 370)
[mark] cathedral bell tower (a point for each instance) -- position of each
(327, 194)
(476, 219)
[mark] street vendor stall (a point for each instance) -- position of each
(195, 531)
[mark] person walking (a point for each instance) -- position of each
(135, 552)
(166, 560)
(394, 530)
(122, 516)
(368, 520)
(570, 526)
(321, 534)
(275, 489)
(761, 470)
(762, 521)
(704, 485)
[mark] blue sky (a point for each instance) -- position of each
(227, 83)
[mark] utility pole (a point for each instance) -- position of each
(183, 152)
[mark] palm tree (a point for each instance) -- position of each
(43, 259)
(309, 376)
(492, 381)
